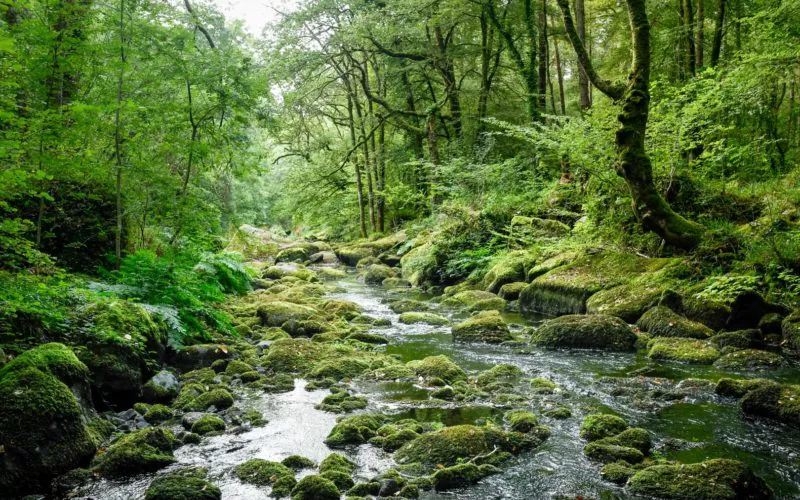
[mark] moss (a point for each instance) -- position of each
(352, 255)
(750, 359)
(218, 398)
(277, 313)
(200, 355)
(376, 273)
(451, 445)
(565, 289)
(461, 475)
(635, 437)
(297, 462)
(605, 452)
(146, 450)
(283, 486)
(716, 479)
(558, 413)
(429, 318)
(395, 440)
(521, 420)
(682, 350)
(291, 355)
(780, 402)
(476, 300)
(601, 425)
(485, 326)
(367, 261)
(790, 329)
(158, 413)
(237, 367)
(315, 488)
(617, 472)
(186, 484)
(405, 305)
(438, 367)
(342, 480)
(511, 291)
(543, 386)
(504, 372)
(335, 461)
(339, 369)
(738, 388)
(368, 338)
(261, 472)
(190, 438)
(208, 424)
(507, 268)
(54, 359)
(393, 372)
(419, 264)
(739, 340)
(661, 321)
(163, 387)
(628, 301)
(342, 402)
(42, 429)
(396, 283)
(364, 489)
(354, 430)
(205, 376)
(330, 274)
(585, 332)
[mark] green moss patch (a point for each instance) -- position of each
(585, 332)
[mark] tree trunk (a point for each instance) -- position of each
(719, 26)
(118, 136)
(583, 79)
(359, 188)
(560, 78)
(700, 35)
(542, 90)
(433, 157)
(689, 30)
(448, 72)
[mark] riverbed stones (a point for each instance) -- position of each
(595, 331)
(208, 424)
(146, 450)
(602, 425)
(425, 317)
(683, 350)
(201, 355)
(661, 321)
(374, 274)
(713, 479)
(765, 398)
(484, 326)
(315, 487)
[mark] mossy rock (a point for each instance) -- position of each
(277, 313)
(261, 472)
(476, 300)
(406, 305)
(551, 263)
(565, 289)
(521, 420)
(347, 367)
(342, 402)
(602, 425)
(146, 450)
(394, 440)
(358, 429)
(283, 486)
(628, 301)
(683, 350)
(461, 475)
(738, 340)
(419, 264)
(504, 372)
(737, 388)
(200, 355)
(158, 413)
(352, 255)
(368, 338)
(790, 328)
(440, 367)
(218, 398)
(716, 479)
(297, 462)
(291, 355)
(485, 326)
(330, 274)
(777, 401)
(452, 445)
(335, 461)
(428, 318)
(507, 268)
(163, 387)
(376, 273)
(208, 424)
(605, 452)
(342, 480)
(185, 484)
(396, 283)
(511, 291)
(750, 359)
(593, 331)
(617, 472)
(43, 426)
(661, 321)
(315, 488)
(543, 386)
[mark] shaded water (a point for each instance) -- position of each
(689, 423)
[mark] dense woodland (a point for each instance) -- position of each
(156, 159)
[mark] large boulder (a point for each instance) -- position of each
(717, 479)
(183, 484)
(508, 268)
(198, 356)
(376, 273)
(661, 321)
(485, 326)
(440, 367)
(45, 405)
(419, 264)
(772, 400)
(145, 450)
(351, 255)
(476, 300)
(683, 350)
(790, 328)
(163, 387)
(565, 289)
(277, 313)
(750, 359)
(595, 331)
(628, 301)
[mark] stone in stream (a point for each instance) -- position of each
(511, 291)
(790, 328)
(720, 479)
(485, 326)
(315, 487)
(461, 475)
(661, 321)
(163, 387)
(428, 318)
(750, 359)
(261, 472)
(594, 331)
(507, 268)
(200, 355)
(146, 450)
(691, 351)
(183, 484)
(352, 255)
(438, 367)
(406, 305)
(476, 300)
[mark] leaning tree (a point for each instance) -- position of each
(633, 97)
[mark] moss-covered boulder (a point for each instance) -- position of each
(419, 264)
(738, 340)
(717, 479)
(158, 413)
(485, 326)
(628, 301)
(739, 387)
(407, 305)
(617, 472)
(507, 268)
(261, 472)
(427, 318)
(683, 350)
(43, 425)
(352, 255)
(184, 484)
(521, 420)
(502, 373)
(461, 475)
(278, 312)
(606, 452)
(374, 274)
(315, 488)
(661, 321)
(565, 289)
(453, 445)
(772, 400)
(298, 462)
(594, 331)
(440, 367)
(790, 329)
(602, 425)
(208, 424)
(335, 461)
(163, 387)
(218, 398)
(750, 359)
(200, 355)
(146, 450)
(354, 430)
(476, 300)
(511, 291)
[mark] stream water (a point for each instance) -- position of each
(688, 422)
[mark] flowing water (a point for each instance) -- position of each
(688, 422)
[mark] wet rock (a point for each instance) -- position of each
(158, 413)
(602, 425)
(183, 484)
(325, 257)
(476, 300)
(218, 398)
(396, 283)
(661, 321)
(354, 430)
(208, 424)
(750, 359)
(617, 472)
(485, 326)
(740, 340)
(683, 350)
(461, 475)
(163, 387)
(297, 462)
(189, 418)
(440, 367)
(506, 269)
(770, 323)
(511, 291)
(628, 301)
(428, 318)
(777, 401)
(376, 273)
(717, 479)
(504, 372)
(147, 450)
(790, 328)
(585, 332)
(351, 255)
(405, 305)
(201, 355)
(315, 488)
(261, 472)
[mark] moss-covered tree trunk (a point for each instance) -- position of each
(632, 163)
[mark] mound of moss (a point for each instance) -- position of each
(504, 372)
(297, 462)
(716, 479)
(184, 484)
(790, 329)
(628, 301)
(376, 273)
(593, 331)
(485, 326)
(507, 268)
(461, 475)
(420, 264)
(315, 488)
(218, 398)
(428, 318)
(261, 472)
(682, 350)
(476, 300)
(208, 424)
(440, 367)
(602, 425)
(358, 429)
(750, 359)
(661, 321)
(406, 305)
(145, 450)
